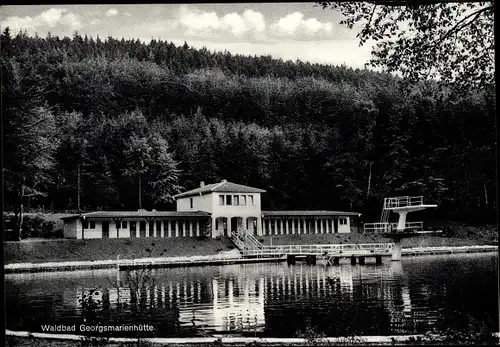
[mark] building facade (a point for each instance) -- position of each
(218, 209)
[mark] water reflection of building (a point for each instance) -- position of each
(238, 304)
(239, 297)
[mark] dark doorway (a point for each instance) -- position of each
(142, 229)
(236, 225)
(335, 225)
(105, 230)
(133, 229)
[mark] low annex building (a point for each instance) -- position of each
(218, 209)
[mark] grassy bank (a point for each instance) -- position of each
(104, 249)
(420, 241)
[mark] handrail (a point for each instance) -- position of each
(386, 227)
(402, 201)
(321, 249)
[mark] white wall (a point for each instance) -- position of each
(346, 228)
(200, 202)
(230, 211)
(95, 233)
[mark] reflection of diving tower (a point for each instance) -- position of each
(401, 205)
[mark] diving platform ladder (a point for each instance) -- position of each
(402, 205)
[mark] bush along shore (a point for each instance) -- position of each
(15, 338)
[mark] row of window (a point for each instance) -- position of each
(182, 228)
(133, 224)
(88, 225)
(236, 200)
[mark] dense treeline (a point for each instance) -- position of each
(118, 124)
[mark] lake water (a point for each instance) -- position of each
(413, 296)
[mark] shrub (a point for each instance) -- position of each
(33, 226)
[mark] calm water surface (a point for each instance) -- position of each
(413, 296)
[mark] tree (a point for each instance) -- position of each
(28, 134)
(73, 147)
(450, 41)
(163, 175)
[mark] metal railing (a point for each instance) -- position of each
(388, 227)
(325, 249)
(402, 201)
(377, 227)
(253, 242)
(236, 238)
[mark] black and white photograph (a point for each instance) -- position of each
(249, 174)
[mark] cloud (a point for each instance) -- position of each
(250, 24)
(210, 24)
(294, 24)
(52, 18)
(111, 12)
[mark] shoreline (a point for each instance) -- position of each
(238, 341)
(206, 260)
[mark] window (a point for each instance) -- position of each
(124, 224)
(228, 200)
(190, 202)
(221, 200)
(92, 225)
(243, 200)
(251, 202)
(236, 199)
(85, 224)
(343, 221)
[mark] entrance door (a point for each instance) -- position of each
(105, 230)
(236, 225)
(133, 229)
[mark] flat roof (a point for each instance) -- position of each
(220, 187)
(308, 213)
(139, 214)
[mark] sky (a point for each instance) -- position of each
(289, 31)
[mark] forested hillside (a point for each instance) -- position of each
(117, 117)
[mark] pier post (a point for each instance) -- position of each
(311, 259)
(118, 270)
(396, 251)
(353, 260)
(361, 260)
(378, 259)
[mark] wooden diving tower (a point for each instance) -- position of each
(402, 205)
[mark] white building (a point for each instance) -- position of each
(218, 209)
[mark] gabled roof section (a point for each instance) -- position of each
(220, 187)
